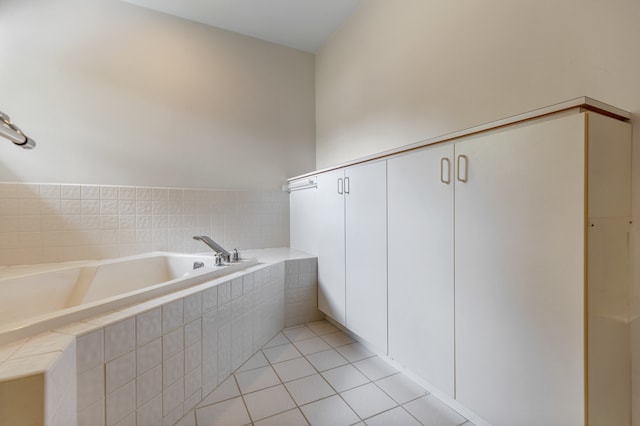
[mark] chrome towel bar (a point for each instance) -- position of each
(14, 134)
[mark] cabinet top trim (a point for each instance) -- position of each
(582, 102)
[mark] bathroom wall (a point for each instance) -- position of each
(401, 72)
(43, 223)
(115, 94)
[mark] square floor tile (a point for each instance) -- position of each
(293, 369)
(332, 411)
(311, 346)
(375, 368)
(281, 353)
(429, 410)
(344, 378)
(322, 327)
(401, 388)
(396, 417)
(226, 390)
(277, 340)
(256, 361)
(257, 379)
(298, 333)
(309, 389)
(337, 339)
(268, 402)
(288, 418)
(228, 413)
(368, 400)
(327, 359)
(354, 352)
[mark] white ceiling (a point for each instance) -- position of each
(301, 24)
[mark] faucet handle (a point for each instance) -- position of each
(235, 256)
(219, 259)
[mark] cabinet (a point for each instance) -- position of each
(421, 286)
(366, 252)
(520, 274)
(506, 250)
(331, 245)
(352, 255)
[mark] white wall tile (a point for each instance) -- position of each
(126, 207)
(70, 192)
(172, 316)
(173, 417)
(90, 385)
(210, 299)
(193, 332)
(90, 206)
(172, 370)
(149, 356)
(120, 371)
(90, 192)
(144, 194)
(8, 190)
(148, 326)
(119, 339)
(121, 403)
(193, 382)
(193, 357)
(192, 307)
(61, 388)
(172, 343)
(148, 385)
(172, 397)
(150, 414)
(89, 350)
(107, 192)
(93, 415)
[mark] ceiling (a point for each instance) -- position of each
(301, 24)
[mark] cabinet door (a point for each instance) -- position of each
(421, 330)
(331, 245)
(303, 228)
(366, 252)
(519, 274)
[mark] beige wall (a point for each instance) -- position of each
(403, 71)
(119, 95)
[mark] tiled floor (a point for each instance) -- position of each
(315, 374)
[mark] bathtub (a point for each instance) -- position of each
(34, 299)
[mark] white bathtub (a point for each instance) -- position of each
(40, 298)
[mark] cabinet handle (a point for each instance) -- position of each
(340, 186)
(347, 186)
(463, 169)
(443, 179)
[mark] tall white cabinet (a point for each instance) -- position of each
(331, 245)
(366, 253)
(421, 268)
(520, 273)
(506, 251)
(352, 256)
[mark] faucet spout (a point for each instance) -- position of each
(213, 245)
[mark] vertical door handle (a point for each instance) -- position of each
(463, 168)
(445, 170)
(340, 186)
(347, 186)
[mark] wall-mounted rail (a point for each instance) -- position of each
(12, 132)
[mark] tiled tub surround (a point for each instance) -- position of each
(45, 223)
(151, 363)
